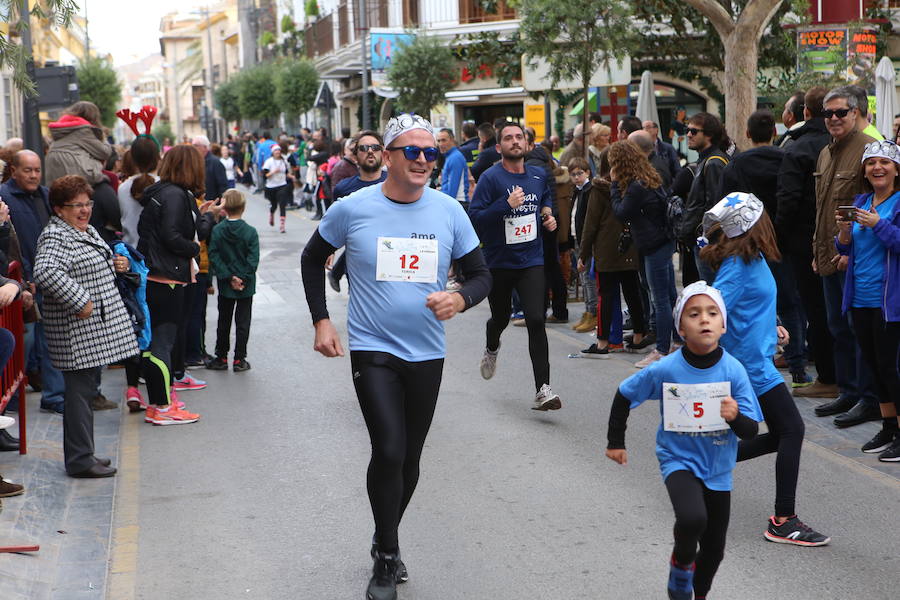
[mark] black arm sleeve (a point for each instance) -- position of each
(618, 422)
(477, 278)
(744, 427)
(312, 264)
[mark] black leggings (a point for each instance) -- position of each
(397, 399)
(608, 286)
(554, 282)
(165, 358)
(701, 517)
(529, 283)
(880, 345)
(785, 437)
(278, 198)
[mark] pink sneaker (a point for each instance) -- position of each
(173, 398)
(172, 415)
(188, 382)
(134, 400)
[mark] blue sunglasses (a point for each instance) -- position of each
(412, 152)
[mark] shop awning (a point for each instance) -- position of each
(592, 104)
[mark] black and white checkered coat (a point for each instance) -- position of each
(72, 267)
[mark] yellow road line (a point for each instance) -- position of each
(126, 527)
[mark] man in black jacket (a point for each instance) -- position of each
(707, 136)
(488, 155)
(795, 223)
(216, 182)
(470, 145)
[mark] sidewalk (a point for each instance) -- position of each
(69, 518)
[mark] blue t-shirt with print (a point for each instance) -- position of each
(750, 334)
(489, 211)
(868, 257)
(710, 456)
(391, 316)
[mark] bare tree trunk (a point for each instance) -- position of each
(740, 35)
(584, 116)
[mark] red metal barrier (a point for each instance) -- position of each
(13, 377)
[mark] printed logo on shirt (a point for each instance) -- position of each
(422, 236)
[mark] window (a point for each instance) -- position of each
(410, 13)
(471, 11)
(8, 108)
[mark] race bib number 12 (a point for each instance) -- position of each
(406, 259)
(694, 407)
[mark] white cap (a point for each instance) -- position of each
(401, 124)
(736, 213)
(200, 140)
(698, 288)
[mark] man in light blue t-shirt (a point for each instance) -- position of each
(400, 238)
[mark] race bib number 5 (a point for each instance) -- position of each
(406, 259)
(694, 407)
(520, 229)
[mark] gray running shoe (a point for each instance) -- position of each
(489, 363)
(545, 399)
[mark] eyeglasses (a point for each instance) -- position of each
(839, 113)
(694, 131)
(412, 152)
(369, 148)
(80, 206)
(576, 173)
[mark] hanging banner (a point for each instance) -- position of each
(534, 118)
(383, 44)
(826, 49)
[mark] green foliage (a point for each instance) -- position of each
(266, 38)
(781, 85)
(12, 55)
(296, 84)
(422, 72)
(227, 100)
(312, 8)
(98, 83)
(287, 24)
(256, 92)
(163, 130)
(375, 104)
(486, 49)
(576, 37)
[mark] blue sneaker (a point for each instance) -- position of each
(681, 581)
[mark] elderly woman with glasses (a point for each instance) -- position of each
(85, 319)
(869, 233)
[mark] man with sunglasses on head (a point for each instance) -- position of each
(838, 180)
(401, 237)
(511, 203)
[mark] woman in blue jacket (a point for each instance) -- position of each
(870, 235)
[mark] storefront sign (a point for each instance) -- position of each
(534, 118)
(825, 49)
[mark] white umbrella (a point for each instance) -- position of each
(646, 101)
(886, 105)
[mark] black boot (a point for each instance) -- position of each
(383, 584)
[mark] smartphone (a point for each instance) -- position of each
(848, 213)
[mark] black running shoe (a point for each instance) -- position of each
(892, 454)
(383, 584)
(402, 573)
(794, 531)
(881, 442)
(217, 364)
(242, 364)
(593, 351)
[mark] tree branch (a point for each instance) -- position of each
(717, 15)
(757, 14)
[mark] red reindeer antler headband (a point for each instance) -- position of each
(146, 115)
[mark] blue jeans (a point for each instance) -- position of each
(854, 377)
(661, 278)
(790, 310)
(589, 284)
(53, 386)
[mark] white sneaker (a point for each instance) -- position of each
(546, 399)
(649, 359)
(6, 421)
(489, 363)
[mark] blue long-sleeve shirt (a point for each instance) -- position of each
(494, 218)
(455, 175)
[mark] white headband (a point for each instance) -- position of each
(736, 213)
(404, 123)
(884, 149)
(696, 289)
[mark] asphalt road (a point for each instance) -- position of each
(265, 497)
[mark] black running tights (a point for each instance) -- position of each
(397, 399)
(701, 518)
(880, 345)
(785, 437)
(278, 198)
(529, 283)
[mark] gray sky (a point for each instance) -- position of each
(127, 29)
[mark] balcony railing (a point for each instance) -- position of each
(343, 25)
(320, 37)
(470, 11)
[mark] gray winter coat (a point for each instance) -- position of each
(77, 149)
(71, 268)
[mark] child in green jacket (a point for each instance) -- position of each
(234, 258)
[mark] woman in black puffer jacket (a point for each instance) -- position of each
(639, 200)
(170, 227)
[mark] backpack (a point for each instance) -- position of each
(674, 215)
